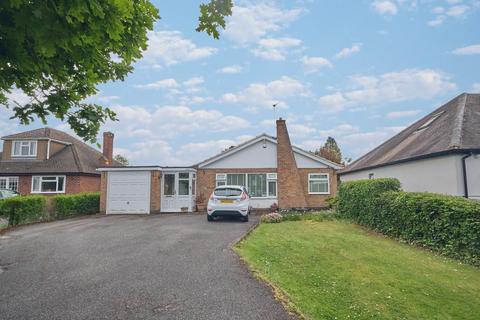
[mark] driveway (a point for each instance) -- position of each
(130, 267)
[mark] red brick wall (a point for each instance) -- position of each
(74, 184)
(290, 190)
(103, 192)
(318, 200)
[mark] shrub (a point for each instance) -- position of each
(319, 216)
(76, 204)
(331, 202)
(273, 217)
(274, 207)
(23, 209)
(446, 224)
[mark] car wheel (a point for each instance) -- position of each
(209, 218)
(245, 219)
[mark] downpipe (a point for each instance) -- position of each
(464, 170)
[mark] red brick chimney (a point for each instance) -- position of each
(290, 190)
(108, 148)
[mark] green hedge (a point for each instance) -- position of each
(21, 210)
(446, 224)
(26, 209)
(75, 204)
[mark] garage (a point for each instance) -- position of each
(128, 192)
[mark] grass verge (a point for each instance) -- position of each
(337, 270)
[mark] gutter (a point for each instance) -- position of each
(464, 171)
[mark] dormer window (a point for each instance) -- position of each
(24, 148)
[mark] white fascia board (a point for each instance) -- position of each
(130, 169)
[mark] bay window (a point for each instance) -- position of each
(259, 185)
(318, 183)
(24, 148)
(10, 183)
(48, 184)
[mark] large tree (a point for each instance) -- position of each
(58, 51)
(330, 151)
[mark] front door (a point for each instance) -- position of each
(177, 191)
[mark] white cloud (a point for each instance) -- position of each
(193, 82)
(437, 21)
(390, 87)
(275, 49)
(231, 69)
(160, 84)
(249, 23)
(469, 50)
(457, 11)
(265, 95)
(315, 64)
(346, 52)
(476, 87)
(385, 7)
(170, 47)
(402, 114)
(360, 143)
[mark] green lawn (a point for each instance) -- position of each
(336, 270)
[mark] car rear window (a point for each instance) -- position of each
(227, 192)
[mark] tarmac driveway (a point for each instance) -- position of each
(130, 267)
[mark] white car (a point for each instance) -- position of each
(229, 201)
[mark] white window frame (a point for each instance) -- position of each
(41, 180)
(7, 182)
(29, 144)
(319, 179)
(221, 180)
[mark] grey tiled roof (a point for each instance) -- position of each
(76, 157)
(453, 127)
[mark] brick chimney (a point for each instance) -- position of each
(108, 148)
(290, 190)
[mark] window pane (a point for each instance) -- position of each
(257, 185)
(183, 175)
(168, 184)
(194, 187)
(272, 188)
(60, 183)
(36, 184)
(220, 183)
(33, 148)
(318, 186)
(227, 192)
(3, 183)
(49, 186)
(16, 148)
(318, 176)
(183, 186)
(12, 184)
(234, 179)
(24, 150)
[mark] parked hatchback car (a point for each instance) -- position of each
(229, 201)
(7, 193)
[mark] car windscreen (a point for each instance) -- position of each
(227, 192)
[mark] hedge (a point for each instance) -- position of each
(21, 210)
(446, 224)
(75, 204)
(36, 208)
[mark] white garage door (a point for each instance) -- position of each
(128, 192)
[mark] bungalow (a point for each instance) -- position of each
(274, 172)
(438, 153)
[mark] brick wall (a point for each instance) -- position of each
(7, 150)
(155, 192)
(74, 184)
(290, 189)
(318, 200)
(103, 192)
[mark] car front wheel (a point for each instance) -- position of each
(209, 218)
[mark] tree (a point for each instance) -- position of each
(58, 51)
(330, 151)
(121, 159)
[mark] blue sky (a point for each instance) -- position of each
(359, 71)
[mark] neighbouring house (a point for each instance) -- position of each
(49, 161)
(271, 168)
(439, 153)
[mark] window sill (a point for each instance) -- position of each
(319, 193)
(47, 192)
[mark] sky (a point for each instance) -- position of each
(359, 71)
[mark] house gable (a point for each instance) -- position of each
(261, 152)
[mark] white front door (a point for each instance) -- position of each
(178, 191)
(128, 192)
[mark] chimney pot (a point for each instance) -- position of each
(108, 147)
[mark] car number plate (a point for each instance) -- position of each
(226, 201)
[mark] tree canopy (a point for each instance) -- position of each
(123, 160)
(58, 51)
(330, 151)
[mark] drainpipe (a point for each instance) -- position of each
(48, 149)
(464, 169)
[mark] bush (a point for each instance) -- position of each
(76, 204)
(21, 210)
(331, 202)
(446, 224)
(273, 217)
